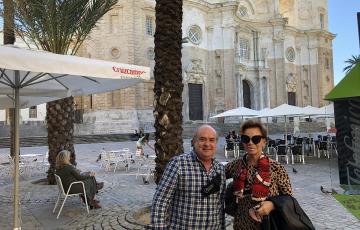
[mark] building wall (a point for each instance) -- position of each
(272, 28)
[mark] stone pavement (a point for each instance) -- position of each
(125, 196)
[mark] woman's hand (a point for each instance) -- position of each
(259, 211)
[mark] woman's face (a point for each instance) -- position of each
(251, 148)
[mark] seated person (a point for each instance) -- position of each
(68, 174)
(228, 137)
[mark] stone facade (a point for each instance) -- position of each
(253, 53)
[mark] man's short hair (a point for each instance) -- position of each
(201, 127)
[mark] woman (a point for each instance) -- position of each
(68, 174)
(140, 143)
(256, 177)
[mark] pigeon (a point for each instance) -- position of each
(323, 190)
(145, 181)
(294, 170)
(99, 158)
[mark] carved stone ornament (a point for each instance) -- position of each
(291, 83)
(115, 52)
(290, 54)
(305, 9)
(195, 72)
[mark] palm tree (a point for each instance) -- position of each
(9, 38)
(351, 63)
(168, 83)
(59, 27)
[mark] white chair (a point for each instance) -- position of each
(103, 159)
(22, 167)
(44, 164)
(66, 195)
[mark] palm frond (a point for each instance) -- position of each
(59, 26)
(355, 59)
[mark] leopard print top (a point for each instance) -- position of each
(280, 184)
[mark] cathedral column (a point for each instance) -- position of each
(276, 5)
(240, 90)
(261, 93)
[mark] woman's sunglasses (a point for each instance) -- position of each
(255, 139)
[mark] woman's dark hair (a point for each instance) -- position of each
(253, 124)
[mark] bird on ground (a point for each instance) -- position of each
(294, 170)
(323, 190)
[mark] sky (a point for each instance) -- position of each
(342, 22)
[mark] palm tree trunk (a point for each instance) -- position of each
(168, 83)
(60, 118)
(9, 38)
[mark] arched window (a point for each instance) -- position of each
(195, 34)
(246, 94)
(243, 49)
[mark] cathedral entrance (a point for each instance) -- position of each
(291, 98)
(246, 94)
(195, 102)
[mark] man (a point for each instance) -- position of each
(190, 194)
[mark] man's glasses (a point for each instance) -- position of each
(255, 139)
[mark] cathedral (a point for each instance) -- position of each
(251, 53)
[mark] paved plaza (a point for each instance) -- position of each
(124, 195)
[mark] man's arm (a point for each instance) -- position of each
(164, 195)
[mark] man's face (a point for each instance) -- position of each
(205, 143)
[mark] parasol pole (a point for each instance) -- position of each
(17, 152)
(285, 132)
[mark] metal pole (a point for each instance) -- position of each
(358, 21)
(17, 152)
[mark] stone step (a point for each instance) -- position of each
(42, 141)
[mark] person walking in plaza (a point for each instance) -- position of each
(256, 177)
(190, 194)
(68, 174)
(141, 142)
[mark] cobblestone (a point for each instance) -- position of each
(124, 194)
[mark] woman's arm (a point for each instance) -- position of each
(282, 180)
(78, 175)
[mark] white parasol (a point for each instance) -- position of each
(30, 77)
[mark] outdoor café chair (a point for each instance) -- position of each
(22, 168)
(323, 148)
(282, 151)
(67, 194)
(229, 147)
(103, 159)
(297, 151)
(271, 151)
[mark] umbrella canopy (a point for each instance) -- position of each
(348, 87)
(328, 110)
(44, 74)
(240, 111)
(263, 112)
(311, 110)
(32, 77)
(283, 110)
